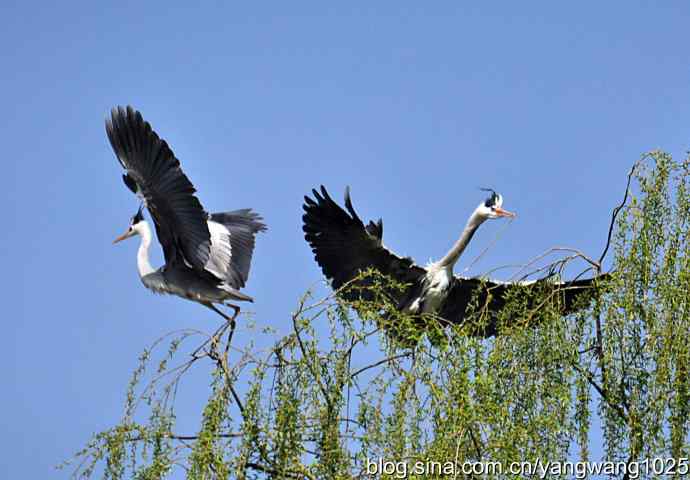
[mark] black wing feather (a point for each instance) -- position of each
(343, 246)
(131, 184)
(493, 296)
(154, 172)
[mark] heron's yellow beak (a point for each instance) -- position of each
(504, 213)
(124, 236)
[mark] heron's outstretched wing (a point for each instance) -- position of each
(343, 246)
(154, 174)
(492, 295)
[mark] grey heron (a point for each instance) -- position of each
(344, 246)
(207, 256)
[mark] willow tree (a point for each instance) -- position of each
(380, 388)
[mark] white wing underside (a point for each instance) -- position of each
(220, 251)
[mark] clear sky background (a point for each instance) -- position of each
(412, 105)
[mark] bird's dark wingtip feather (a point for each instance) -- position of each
(325, 194)
(348, 205)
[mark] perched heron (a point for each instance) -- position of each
(343, 247)
(207, 256)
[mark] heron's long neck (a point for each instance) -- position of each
(452, 256)
(143, 263)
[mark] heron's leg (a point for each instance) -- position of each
(227, 319)
(235, 308)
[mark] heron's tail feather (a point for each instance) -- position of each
(236, 294)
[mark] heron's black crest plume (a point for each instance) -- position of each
(492, 199)
(139, 216)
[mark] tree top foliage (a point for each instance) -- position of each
(343, 389)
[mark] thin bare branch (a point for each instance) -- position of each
(617, 210)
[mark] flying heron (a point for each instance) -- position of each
(207, 256)
(344, 247)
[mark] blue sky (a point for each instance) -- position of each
(412, 105)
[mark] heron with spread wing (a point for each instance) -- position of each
(207, 256)
(344, 246)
